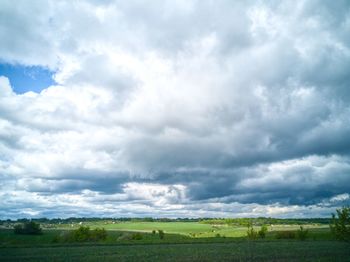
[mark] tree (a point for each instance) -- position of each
(262, 232)
(83, 234)
(251, 233)
(161, 234)
(340, 225)
(28, 228)
(302, 233)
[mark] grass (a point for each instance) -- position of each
(192, 229)
(184, 228)
(8, 238)
(236, 251)
(184, 241)
(176, 232)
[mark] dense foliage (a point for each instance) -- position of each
(262, 232)
(28, 228)
(302, 233)
(136, 236)
(285, 235)
(161, 234)
(83, 234)
(253, 234)
(340, 225)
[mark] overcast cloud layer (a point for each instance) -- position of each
(177, 108)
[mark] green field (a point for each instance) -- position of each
(172, 227)
(235, 251)
(188, 228)
(183, 241)
(201, 230)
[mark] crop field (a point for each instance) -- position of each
(200, 230)
(233, 251)
(183, 241)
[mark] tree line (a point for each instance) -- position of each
(228, 221)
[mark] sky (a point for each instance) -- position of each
(174, 108)
(27, 78)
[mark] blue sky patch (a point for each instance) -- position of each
(27, 78)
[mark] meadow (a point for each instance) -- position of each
(231, 251)
(183, 241)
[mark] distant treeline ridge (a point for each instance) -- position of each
(218, 221)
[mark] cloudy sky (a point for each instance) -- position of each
(174, 108)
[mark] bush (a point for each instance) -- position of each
(340, 225)
(262, 232)
(285, 235)
(136, 236)
(18, 229)
(83, 234)
(64, 236)
(153, 232)
(302, 233)
(251, 233)
(125, 236)
(98, 234)
(28, 228)
(161, 234)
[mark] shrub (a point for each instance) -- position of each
(125, 236)
(153, 232)
(340, 225)
(251, 233)
(285, 235)
(98, 234)
(136, 236)
(83, 234)
(161, 234)
(64, 236)
(262, 232)
(18, 229)
(302, 233)
(28, 228)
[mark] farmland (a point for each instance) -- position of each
(235, 251)
(201, 230)
(183, 241)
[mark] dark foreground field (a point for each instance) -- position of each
(190, 241)
(235, 251)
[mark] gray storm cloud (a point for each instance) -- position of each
(217, 108)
